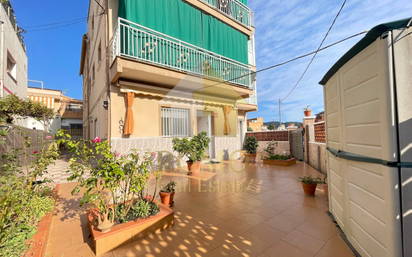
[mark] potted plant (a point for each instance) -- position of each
(167, 193)
(307, 111)
(276, 159)
(251, 145)
(193, 149)
(309, 184)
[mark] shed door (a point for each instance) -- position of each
(364, 197)
(297, 144)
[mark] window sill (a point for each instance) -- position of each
(12, 77)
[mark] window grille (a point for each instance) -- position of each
(175, 122)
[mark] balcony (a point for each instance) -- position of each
(146, 45)
(234, 9)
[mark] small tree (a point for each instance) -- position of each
(251, 145)
(249, 129)
(271, 127)
(193, 149)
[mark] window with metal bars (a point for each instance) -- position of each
(175, 122)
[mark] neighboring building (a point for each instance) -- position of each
(69, 111)
(256, 124)
(264, 128)
(175, 68)
(13, 57)
(320, 117)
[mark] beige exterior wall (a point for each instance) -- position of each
(146, 109)
(95, 71)
(16, 84)
(256, 126)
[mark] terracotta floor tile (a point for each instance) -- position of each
(282, 224)
(137, 248)
(336, 245)
(193, 246)
(293, 216)
(163, 239)
(235, 226)
(283, 249)
(304, 242)
(209, 220)
(226, 213)
(266, 233)
(319, 231)
(252, 223)
(216, 236)
(250, 245)
(252, 218)
(253, 202)
(265, 211)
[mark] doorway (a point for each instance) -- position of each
(204, 123)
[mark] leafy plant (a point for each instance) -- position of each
(124, 177)
(307, 108)
(310, 180)
(169, 188)
(271, 127)
(251, 145)
(249, 129)
(193, 149)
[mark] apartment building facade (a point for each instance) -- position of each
(154, 70)
(13, 57)
(256, 124)
(69, 111)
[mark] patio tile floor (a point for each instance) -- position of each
(271, 218)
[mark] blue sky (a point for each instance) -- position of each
(284, 30)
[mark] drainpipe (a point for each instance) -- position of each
(2, 58)
(109, 131)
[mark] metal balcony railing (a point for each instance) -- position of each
(137, 42)
(234, 9)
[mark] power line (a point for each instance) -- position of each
(297, 83)
(75, 21)
(276, 65)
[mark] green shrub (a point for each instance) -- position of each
(251, 145)
(310, 180)
(194, 149)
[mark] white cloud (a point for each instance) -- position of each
(287, 29)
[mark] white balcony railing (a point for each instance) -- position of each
(234, 9)
(137, 42)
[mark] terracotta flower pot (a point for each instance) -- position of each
(167, 198)
(309, 189)
(251, 157)
(193, 167)
(325, 190)
(307, 113)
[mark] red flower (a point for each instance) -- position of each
(35, 152)
(97, 140)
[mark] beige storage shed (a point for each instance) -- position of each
(368, 111)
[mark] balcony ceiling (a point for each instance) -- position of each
(140, 72)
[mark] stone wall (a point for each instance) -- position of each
(228, 145)
(317, 156)
(283, 148)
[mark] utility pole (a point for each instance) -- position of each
(280, 113)
(273, 123)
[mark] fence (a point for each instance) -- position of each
(320, 134)
(74, 132)
(270, 135)
(16, 137)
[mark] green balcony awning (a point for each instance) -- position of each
(182, 21)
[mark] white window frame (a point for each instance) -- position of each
(12, 71)
(175, 122)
